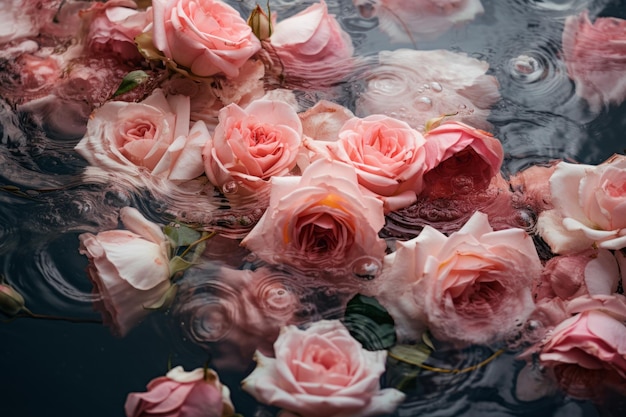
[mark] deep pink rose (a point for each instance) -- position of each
(129, 268)
(415, 20)
(417, 86)
(388, 155)
(319, 221)
(312, 46)
(205, 37)
(460, 159)
(253, 144)
(470, 287)
(589, 207)
(112, 27)
(322, 371)
(198, 393)
(533, 186)
(595, 55)
(147, 139)
(587, 353)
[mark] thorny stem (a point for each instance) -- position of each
(192, 244)
(26, 313)
(451, 371)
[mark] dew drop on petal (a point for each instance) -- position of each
(423, 103)
(436, 87)
(230, 187)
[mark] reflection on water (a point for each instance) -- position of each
(228, 310)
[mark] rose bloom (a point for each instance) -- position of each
(595, 55)
(205, 37)
(533, 187)
(312, 46)
(198, 393)
(589, 207)
(388, 156)
(147, 139)
(587, 353)
(322, 371)
(318, 221)
(112, 27)
(129, 269)
(251, 145)
(472, 287)
(414, 20)
(460, 159)
(417, 86)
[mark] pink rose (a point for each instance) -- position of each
(322, 371)
(589, 207)
(147, 139)
(323, 120)
(129, 268)
(460, 159)
(251, 145)
(112, 27)
(318, 221)
(414, 20)
(205, 37)
(587, 353)
(533, 186)
(595, 55)
(198, 393)
(388, 156)
(312, 46)
(470, 287)
(416, 86)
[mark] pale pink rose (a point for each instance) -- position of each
(39, 73)
(416, 86)
(253, 144)
(323, 120)
(198, 393)
(460, 159)
(322, 371)
(415, 20)
(147, 139)
(112, 27)
(587, 353)
(205, 37)
(129, 269)
(312, 46)
(589, 207)
(320, 221)
(595, 55)
(472, 287)
(388, 155)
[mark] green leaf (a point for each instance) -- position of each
(132, 80)
(411, 354)
(181, 235)
(369, 323)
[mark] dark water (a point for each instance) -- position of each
(59, 368)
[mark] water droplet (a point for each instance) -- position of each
(462, 106)
(230, 187)
(525, 68)
(426, 87)
(423, 103)
(366, 268)
(436, 87)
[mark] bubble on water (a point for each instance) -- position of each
(366, 268)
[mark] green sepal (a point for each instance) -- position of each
(369, 323)
(178, 264)
(181, 235)
(166, 299)
(131, 81)
(411, 354)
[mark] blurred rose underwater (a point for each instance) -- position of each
(338, 208)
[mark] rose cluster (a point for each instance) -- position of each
(410, 210)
